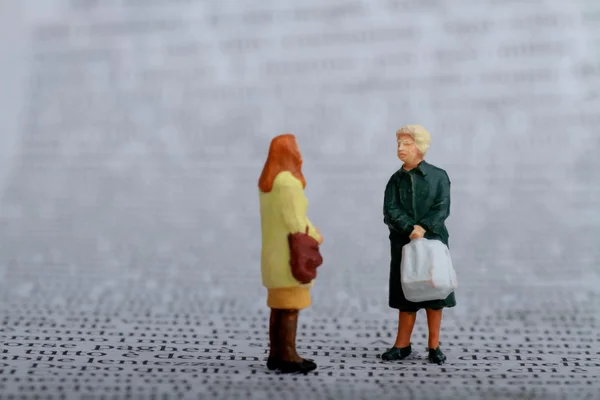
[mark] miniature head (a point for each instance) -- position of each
(284, 155)
(413, 143)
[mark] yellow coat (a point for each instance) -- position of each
(282, 211)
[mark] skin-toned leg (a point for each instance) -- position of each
(434, 322)
(402, 347)
(406, 323)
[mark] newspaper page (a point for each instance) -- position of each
(132, 136)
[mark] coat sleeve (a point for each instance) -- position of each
(436, 216)
(393, 215)
(291, 207)
(312, 231)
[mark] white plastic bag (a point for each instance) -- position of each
(426, 271)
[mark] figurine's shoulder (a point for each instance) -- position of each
(433, 168)
(286, 179)
(395, 175)
(435, 171)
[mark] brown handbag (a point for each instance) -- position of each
(305, 257)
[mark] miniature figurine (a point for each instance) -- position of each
(416, 205)
(290, 253)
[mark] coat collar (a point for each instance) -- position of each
(423, 167)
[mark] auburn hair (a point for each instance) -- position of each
(284, 155)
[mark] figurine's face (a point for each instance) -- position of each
(407, 149)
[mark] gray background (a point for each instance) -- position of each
(133, 134)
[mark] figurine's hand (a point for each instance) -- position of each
(320, 240)
(417, 233)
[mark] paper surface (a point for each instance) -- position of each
(132, 137)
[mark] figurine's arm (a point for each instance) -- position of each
(393, 216)
(435, 217)
(313, 232)
(293, 206)
(293, 214)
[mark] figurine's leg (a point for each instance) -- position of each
(434, 322)
(288, 333)
(273, 360)
(406, 323)
(402, 347)
(290, 360)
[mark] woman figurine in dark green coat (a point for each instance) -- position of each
(416, 205)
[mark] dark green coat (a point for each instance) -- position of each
(420, 196)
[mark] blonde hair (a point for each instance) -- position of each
(420, 135)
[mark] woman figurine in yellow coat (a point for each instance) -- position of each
(283, 211)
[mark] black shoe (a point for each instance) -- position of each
(272, 363)
(396, 353)
(309, 365)
(436, 356)
(304, 367)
